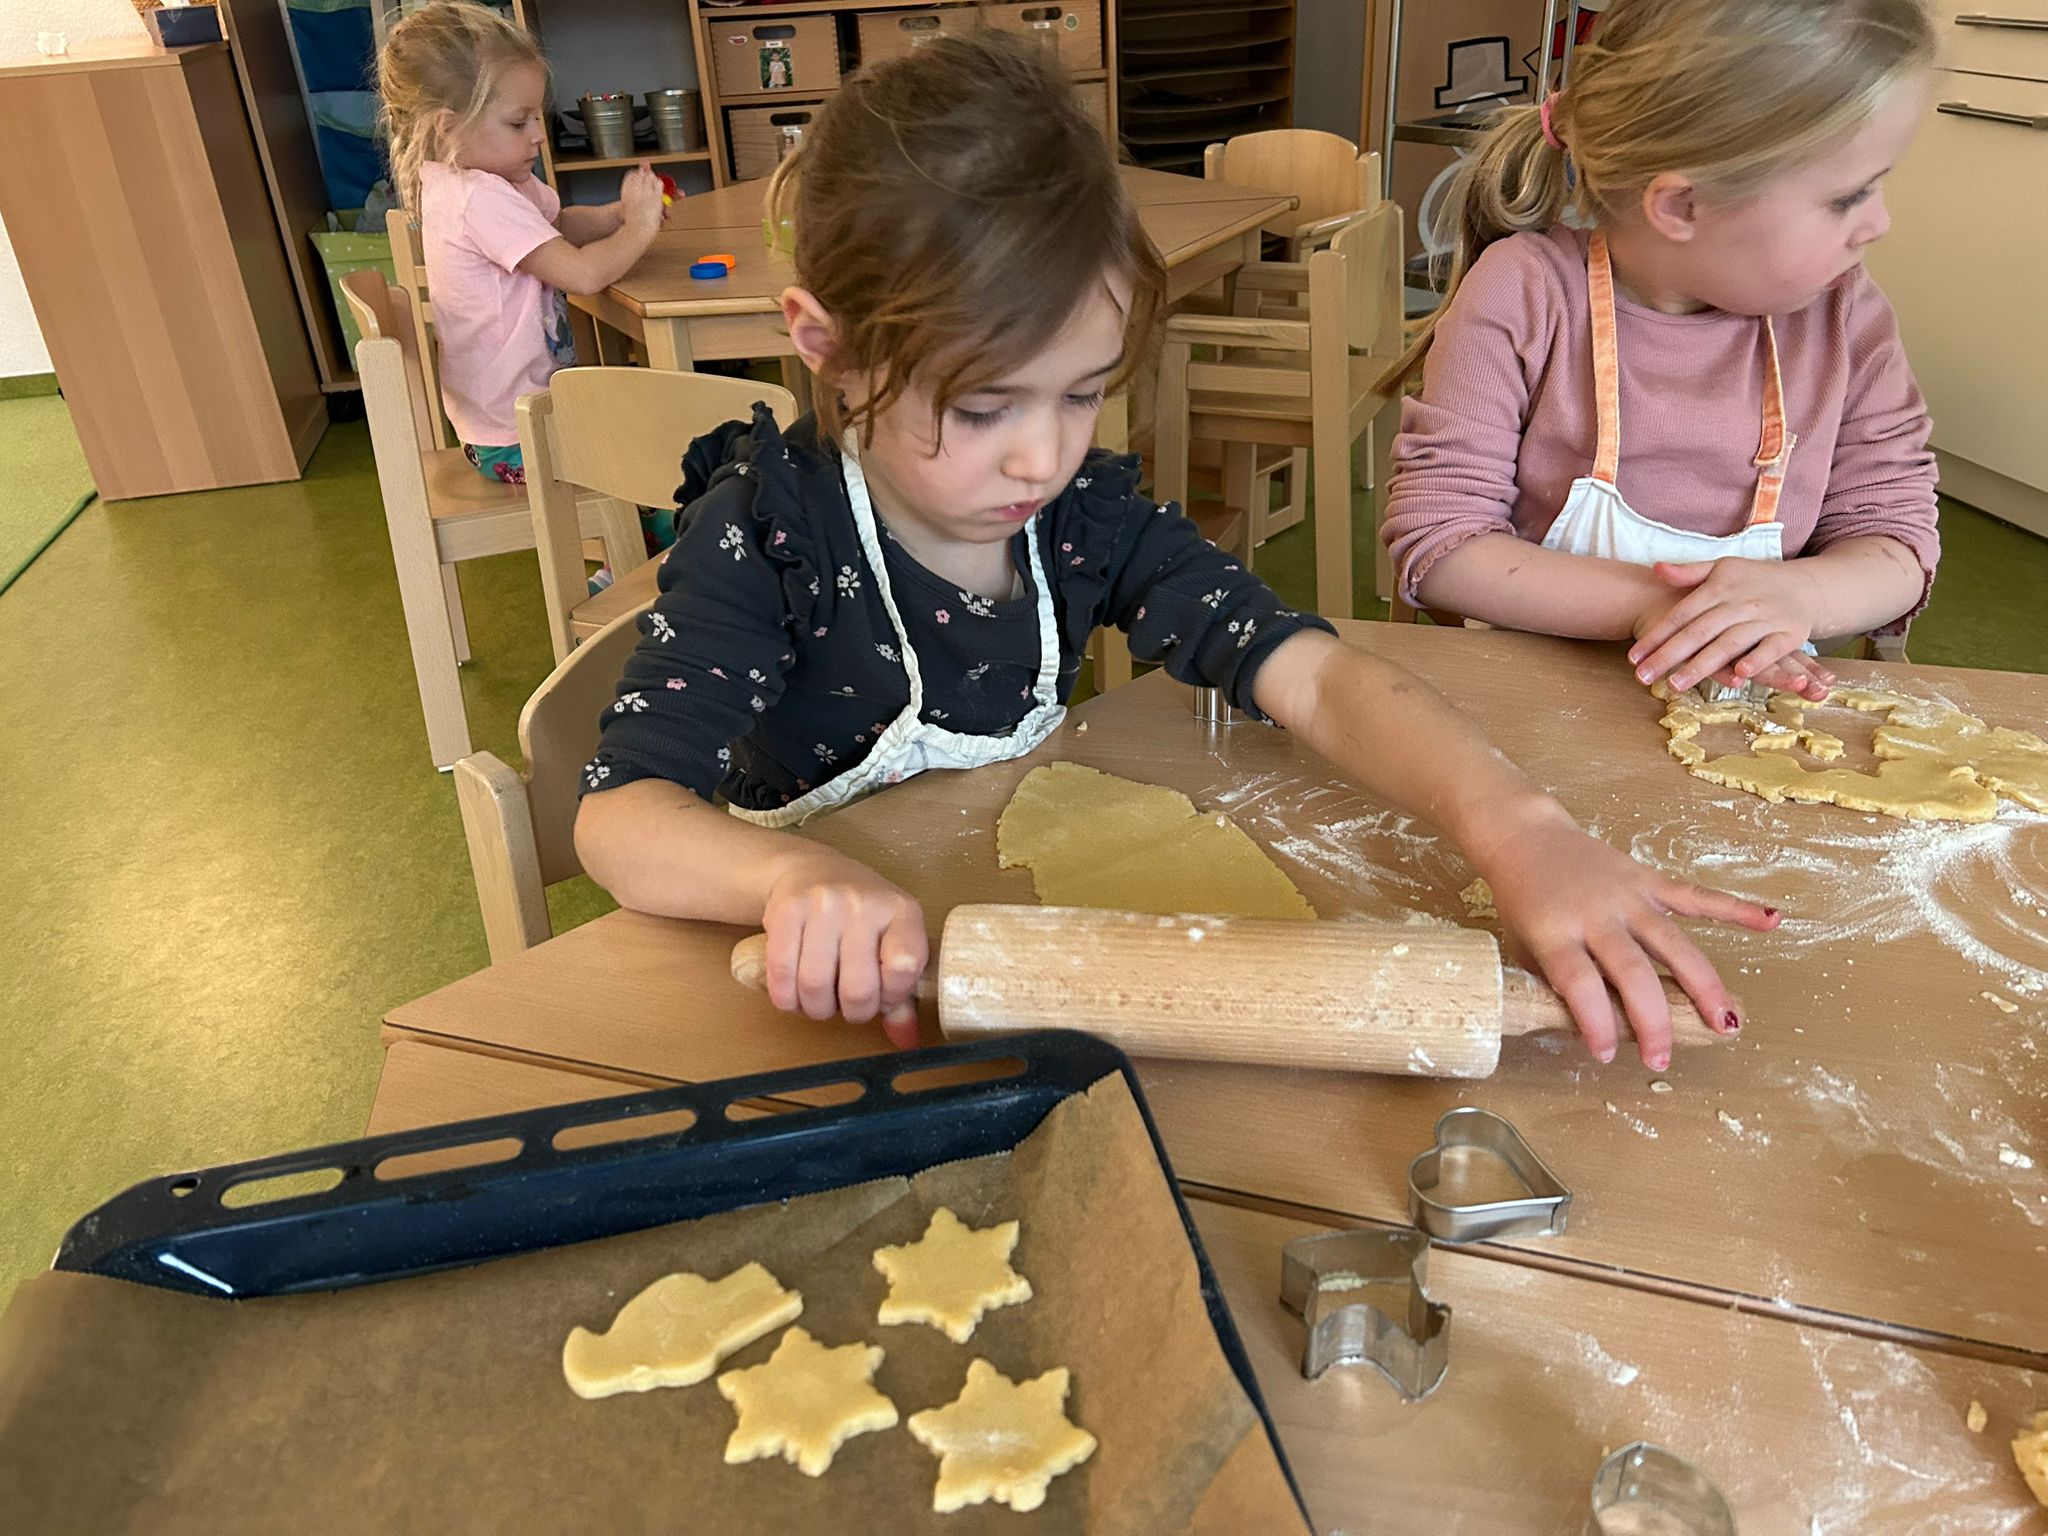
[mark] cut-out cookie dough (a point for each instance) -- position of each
(951, 1276)
(1001, 1440)
(676, 1331)
(1937, 763)
(1091, 839)
(805, 1402)
(2029, 1452)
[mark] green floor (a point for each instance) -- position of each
(224, 854)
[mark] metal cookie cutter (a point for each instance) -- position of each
(1323, 1279)
(1643, 1488)
(1213, 708)
(1539, 1213)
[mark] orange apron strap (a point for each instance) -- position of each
(1774, 452)
(1606, 360)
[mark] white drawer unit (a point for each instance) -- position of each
(1994, 37)
(1963, 268)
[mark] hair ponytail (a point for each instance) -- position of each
(1516, 179)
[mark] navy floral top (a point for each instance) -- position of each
(768, 665)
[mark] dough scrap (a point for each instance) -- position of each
(805, 1402)
(2029, 1454)
(1001, 1440)
(951, 1276)
(1478, 899)
(1976, 1418)
(1936, 763)
(676, 1331)
(1091, 839)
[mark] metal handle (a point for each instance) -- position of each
(2007, 23)
(2037, 121)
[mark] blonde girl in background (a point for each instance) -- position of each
(909, 581)
(1665, 402)
(465, 108)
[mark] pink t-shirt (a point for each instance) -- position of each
(1505, 422)
(502, 331)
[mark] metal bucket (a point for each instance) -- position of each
(678, 120)
(608, 124)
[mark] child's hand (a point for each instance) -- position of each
(1591, 918)
(843, 942)
(1738, 618)
(640, 199)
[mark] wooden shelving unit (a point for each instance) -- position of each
(1092, 73)
(1195, 72)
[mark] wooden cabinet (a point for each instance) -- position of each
(133, 192)
(1962, 266)
(1192, 73)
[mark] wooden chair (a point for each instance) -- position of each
(616, 432)
(1332, 183)
(521, 826)
(1315, 382)
(440, 511)
(409, 257)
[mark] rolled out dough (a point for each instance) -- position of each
(1091, 839)
(805, 1402)
(1936, 763)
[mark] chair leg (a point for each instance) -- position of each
(458, 624)
(1380, 433)
(1332, 462)
(431, 630)
(1111, 653)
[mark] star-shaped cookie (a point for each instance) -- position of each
(805, 1402)
(676, 1331)
(999, 1440)
(951, 1276)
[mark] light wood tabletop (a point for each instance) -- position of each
(1205, 230)
(1804, 1429)
(1872, 1154)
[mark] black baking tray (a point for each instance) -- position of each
(174, 1233)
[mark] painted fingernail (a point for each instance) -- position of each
(1659, 1062)
(1729, 1022)
(1770, 912)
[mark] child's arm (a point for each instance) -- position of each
(592, 268)
(581, 223)
(1589, 916)
(842, 941)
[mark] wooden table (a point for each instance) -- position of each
(1548, 1373)
(1205, 230)
(1872, 1155)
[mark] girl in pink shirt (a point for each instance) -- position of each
(465, 98)
(1663, 373)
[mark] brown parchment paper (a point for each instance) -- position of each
(438, 1403)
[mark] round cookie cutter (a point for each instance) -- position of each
(1645, 1490)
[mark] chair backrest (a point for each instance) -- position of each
(384, 315)
(1371, 246)
(1325, 172)
(558, 735)
(617, 432)
(521, 827)
(409, 258)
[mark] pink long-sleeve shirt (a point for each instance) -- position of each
(1505, 422)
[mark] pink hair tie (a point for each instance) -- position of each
(1549, 133)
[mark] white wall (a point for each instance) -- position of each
(21, 343)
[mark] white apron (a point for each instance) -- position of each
(1596, 521)
(910, 744)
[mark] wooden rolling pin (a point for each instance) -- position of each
(1430, 1000)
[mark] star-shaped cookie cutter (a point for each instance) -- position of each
(1540, 1213)
(1325, 1279)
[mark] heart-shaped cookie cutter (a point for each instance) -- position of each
(1540, 1213)
(1323, 1278)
